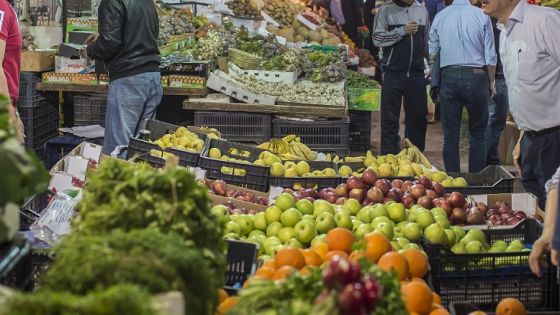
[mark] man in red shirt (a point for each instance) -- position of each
(10, 55)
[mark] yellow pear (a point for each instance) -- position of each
(259, 162)
(417, 169)
(302, 167)
(198, 144)
(407, 169)
(448, 182)
(385, 170)
(277, 170)
(329, 172)
(226, 170)
(289, 164)
(291, 172)
(181, 131)
(215, 153)
(345, 171)
(239, 172)
(460, 182)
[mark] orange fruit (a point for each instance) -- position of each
(306, 270)
(222, 295)
(437, 298)
(322, 250)
(477, 313)
(510, 306)
(436, 306)
(417, 262)
(312, 258)
(333, 253)
(418, 279)
(227, 305)
(340, 239)
(289, 256)
(270, 263)
(283, 272)
(417, 297)
(356, 255)
(377, 246)
(395, 261)
(439, 311)
(265, 272)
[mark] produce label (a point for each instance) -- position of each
(364, 99)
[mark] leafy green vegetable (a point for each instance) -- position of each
(158, 262)
(360, 81)
(391, 303)
(119, 299)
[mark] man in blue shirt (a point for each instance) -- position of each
(433, 7)
(462, 36)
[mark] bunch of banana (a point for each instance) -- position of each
(289, 148)
(276, 146)
(413, 154)
(347, 159)
(303, 151)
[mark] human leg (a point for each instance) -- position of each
(451, 110)
(477, 98)
(391, 96)
(498, 111)
(416, 109)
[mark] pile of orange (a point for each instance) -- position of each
(225, 302)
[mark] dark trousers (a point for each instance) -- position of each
(540, 157)
(413, 89)
(498, 110)
(464, 87)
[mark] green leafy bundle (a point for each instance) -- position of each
(119, 299)
(360, 81)
(155, 261)
(126, 196)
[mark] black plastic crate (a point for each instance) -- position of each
(39, 119)
(464, 308)
(245, 175)
(37, 143)
(26, 274)
(320, 135)
(241, 260)
(238, 127)
(309, 182)
(359, 131)
(493, 179)
(32, 208)
(140, 149)
(89, 109)
(28, 93)
(60, 146)
(11, 254)
(486, 279)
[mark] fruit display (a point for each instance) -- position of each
(289, 148)
(500, 214)
(474, 242)
(290, 61)
(244, 8)
(326, 66)
(366, 59)
(220, 188)
(181, 139)
(175, 22)
(299, 33)
(210, 46)
(299, 169)
(282, 11)
(360, 81)
(551, 3)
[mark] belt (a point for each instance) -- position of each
(464, 68)
(543, 132)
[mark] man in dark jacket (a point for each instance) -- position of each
(401, 30)
(127, 44)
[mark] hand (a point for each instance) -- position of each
(492, 89)
(555, 256)
(92, 38)
(15, 121)
(411, 28)
(540, 247)
(516, 156)
(83, 53)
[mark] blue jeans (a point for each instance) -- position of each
(466, 87)
(131, 101)
(498, 110)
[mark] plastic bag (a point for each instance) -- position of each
(54, 222)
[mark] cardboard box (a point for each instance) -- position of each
(218, 84)
(76, 166)
(267, 76)
(507, 143)
(69, 65)
(182, 81)
(525, 202)
(71, 50)
(38, 60)
(220, 200)
(87, 150)
(79, 37)
(75, 78)
(192, 68)
(88, 24)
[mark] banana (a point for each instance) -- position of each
(296, 150)
(264, 146)
(289, 157)
(328, 158)
(336, 159)
(289, 138)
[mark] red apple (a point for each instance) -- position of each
(354, 183)
(425, 181)
(375, 195)
(458, 216)
(417, 190)
(369, 177)
(407, 200)
(383, 185)
(457, 200)
(340, 201)
(475, 217)
(438, 188)
(342, 190)
(331, 197)
(406, 185)
(397, 183)
(431, 194)
(395, 194)
(425, 202)
(358, 194)
(513, 221)
(520, 214)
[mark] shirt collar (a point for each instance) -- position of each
(519, 12)
(461, 2)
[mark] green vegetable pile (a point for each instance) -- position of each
(360, 81)
(119, 299)
(323, 66)
(288, 61)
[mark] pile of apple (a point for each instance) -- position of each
(220, 188)
(355, 293)
(474, 242)
(500, 214)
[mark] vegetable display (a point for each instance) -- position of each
(360, 81)
(282, 11)
(244, 8)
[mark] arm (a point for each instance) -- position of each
(381, 35)
(111, 17)
(3, 82)
(427, 37)
(543, 244)
(433, 43)
(549, 33)
(490, 53)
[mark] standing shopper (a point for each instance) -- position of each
(401, 29)
(530, 53)
(128, 44)
(10, 55)
(498, 109)
(462, 36)
(348, 14)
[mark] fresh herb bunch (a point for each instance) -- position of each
(126, 196)
(288, 61)
(153, 260)
(119, 299)
(209, 46)
(360, 81)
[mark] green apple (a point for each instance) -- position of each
(353, 206)
(363, 230)
(259, 243)
(293, 242)
(343, 220)
(320, 206)
(379, 210)
(474, 247)
(411, 216)
(416, 208)
(246, 223)
(402, 241)
(379, 220)
(413, 245)
(385, 229)
(413, 232)
(397, 232)
(438, 211)
(513, 248)
(257, 233)
(396, 246)
(424, 218)
(459, 231)
(390, 202)
(364, 215)
(273, 229)
(478, 235)
(402, 224)
(260, 221)
(290, 217)
(443, 221)
(451, 237)
(269, 244)
(468, 238)
(305, 231)
(285, 201)
(286, 233)
(321, 238)
(338, 209)
(232, 227)
(500, 245)
(272, 214)
(308, 217)
(231, 236)
(355, 224)
(304, 206)
(221, 212)
(397, 212)
(518, 244)
(325, 222)
(459, 249)
(435, 235)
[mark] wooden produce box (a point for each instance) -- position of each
(507, 143)
(37, 61)
(525, 202)
(185, 81)
(221, 200)
(74, 78)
